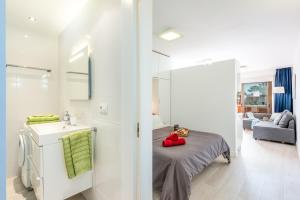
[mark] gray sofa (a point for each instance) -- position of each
(270, 130)
(247, 123)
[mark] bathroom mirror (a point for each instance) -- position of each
(79, 76)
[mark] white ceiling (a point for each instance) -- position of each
(52, 15)
(259, 33)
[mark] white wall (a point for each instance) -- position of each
(257, 75)
(27, 93)
(204, 98)
(102, 22)
(297, 100)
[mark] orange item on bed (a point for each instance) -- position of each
(183, 132)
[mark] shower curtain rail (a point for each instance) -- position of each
(25, 67)
(160, 53)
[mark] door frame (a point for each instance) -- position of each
(136, 100)
(145, 99)
(2, 103)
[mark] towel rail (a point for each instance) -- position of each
(80, 73)
(25, 67)
(94, 130)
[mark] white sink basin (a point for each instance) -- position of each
(50, 133)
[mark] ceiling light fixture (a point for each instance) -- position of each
(26, 36)
(32, 19)
(170, 35)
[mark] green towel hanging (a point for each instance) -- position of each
(78, 152)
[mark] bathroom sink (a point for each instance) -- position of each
(51, 132)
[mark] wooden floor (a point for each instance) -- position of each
(263, 171)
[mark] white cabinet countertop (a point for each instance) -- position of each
(50, 133)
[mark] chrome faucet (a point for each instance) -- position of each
(67, 118)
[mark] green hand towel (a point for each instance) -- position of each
(42, 122)
(68, 156)
(78, 152)
(42, 118)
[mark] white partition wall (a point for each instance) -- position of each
(2, 102)
(204, 98)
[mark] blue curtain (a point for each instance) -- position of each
(283, 78)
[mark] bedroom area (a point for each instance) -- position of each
(224, 100)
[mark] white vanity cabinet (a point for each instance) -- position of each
(48, 172)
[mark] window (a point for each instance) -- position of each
(256, 93)
(257, 97)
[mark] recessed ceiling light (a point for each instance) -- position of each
(26, 36)
(170, 35)
(32, 19)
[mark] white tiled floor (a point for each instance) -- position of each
(16, 191)
(263, 171)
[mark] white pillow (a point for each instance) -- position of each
(250, 115)
(156, 122)
(274, 116)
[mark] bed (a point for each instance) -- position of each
(174, 167)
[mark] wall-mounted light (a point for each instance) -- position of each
(79, 47)
(76, 57)
(278, 90)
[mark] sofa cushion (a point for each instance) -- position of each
(292, 124)
(286, 118)
(278, 118)
(266, 124)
